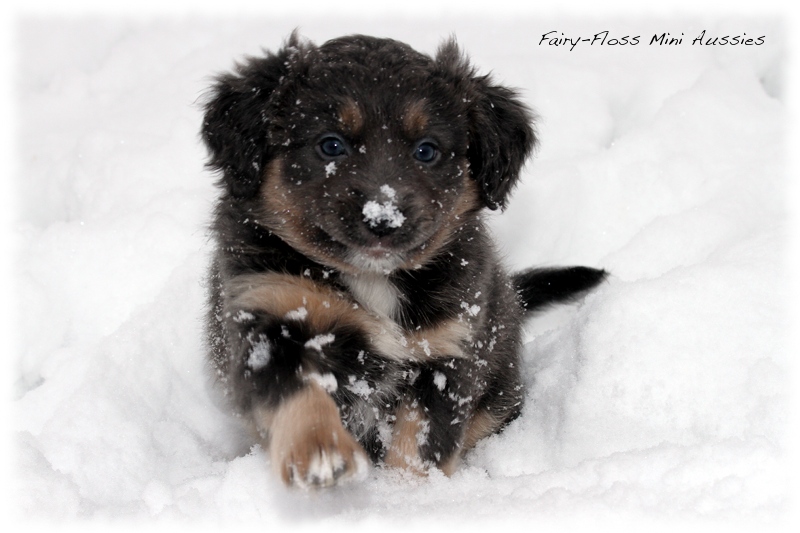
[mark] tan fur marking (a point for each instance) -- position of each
(450, 466)
(469, 200)
(281, 213)
(296, 298)
(444, 340)
(351, 116)
(481, 425)
(283, 295)
(404, 450)
(309, 446)
(415, 119)
(282, 216)
(262, 419)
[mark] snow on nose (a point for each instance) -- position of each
(383, 217)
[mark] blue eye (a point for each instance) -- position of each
(426, 152)
(331, 146)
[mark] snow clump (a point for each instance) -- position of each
(387, 212)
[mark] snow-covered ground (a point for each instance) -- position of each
(663, 397)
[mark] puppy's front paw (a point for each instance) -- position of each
(309, 445)
(322, 459)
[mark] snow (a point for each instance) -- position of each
(319, 341)
(663, 398)
(297, 314)
(440, 380)
(375, 213)
(260, 355)
(330, 169)
(472, 310)
(326, 381)
(388, 212)
(388, 191)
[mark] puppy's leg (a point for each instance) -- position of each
(412, 429)
(285, 376)
(454, 406)
(500, 403)
(290, 343)
(430, 423)
(481, 424)
(309, 446)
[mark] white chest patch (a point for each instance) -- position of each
(374, 292)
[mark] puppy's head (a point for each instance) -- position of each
(363, 153)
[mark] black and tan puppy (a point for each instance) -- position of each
(358, 309)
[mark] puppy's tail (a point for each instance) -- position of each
(540, 287)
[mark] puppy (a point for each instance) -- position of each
(358, 311)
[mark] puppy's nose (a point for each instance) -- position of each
(382, 228)
(383, 218)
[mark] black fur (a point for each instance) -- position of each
(293, 218)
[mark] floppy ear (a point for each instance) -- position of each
(501, 139)
(237, 120)
(500, 128)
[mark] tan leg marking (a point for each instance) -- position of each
(410, 429)
(481, 425)
(294, 297)
(323, 308)
(309, 447)
(443, 340)
(297, 298)
(450, 466)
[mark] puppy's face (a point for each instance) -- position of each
(372, 173)
(367, 155)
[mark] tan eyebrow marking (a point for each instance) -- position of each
(415, 119)
(351, 116)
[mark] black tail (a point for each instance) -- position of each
(539, 287)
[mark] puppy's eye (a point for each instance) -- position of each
(331, 146)
(426, 152)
